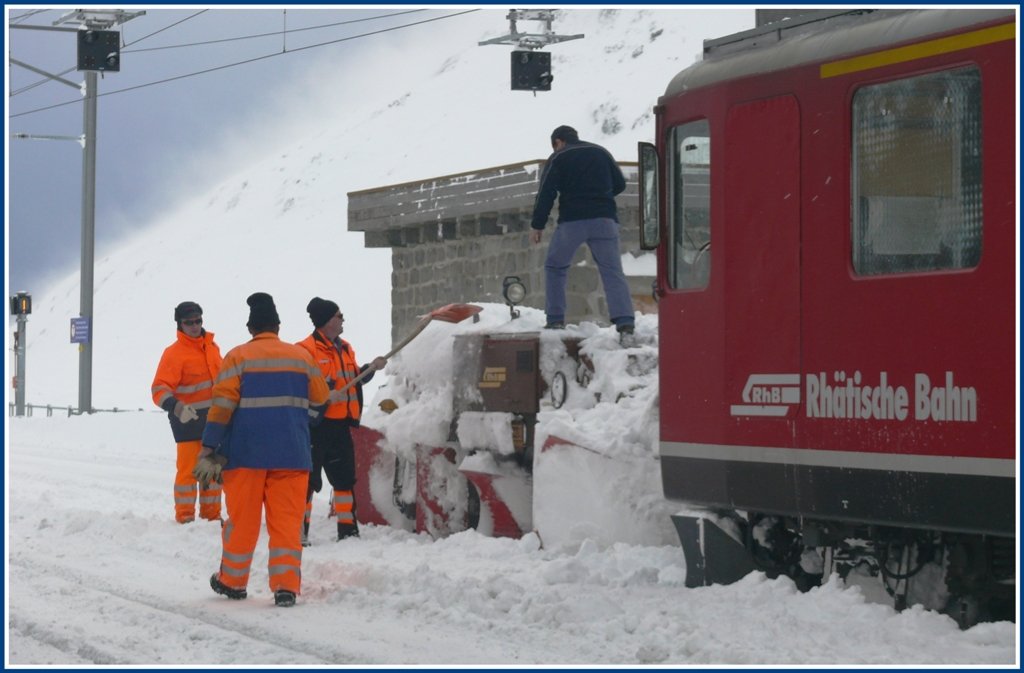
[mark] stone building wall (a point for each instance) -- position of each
(455, 238)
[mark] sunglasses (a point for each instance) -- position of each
(191, 323)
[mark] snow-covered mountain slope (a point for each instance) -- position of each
(416, 104)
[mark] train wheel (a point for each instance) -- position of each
(777, 550)
(980, 576)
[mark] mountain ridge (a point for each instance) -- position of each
(278, 224)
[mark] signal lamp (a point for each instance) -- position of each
(513, 290)
(21, 304)
(531, 71)
(99, 50)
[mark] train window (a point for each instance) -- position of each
(690, 204)
(916, 174)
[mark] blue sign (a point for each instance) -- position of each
(79, 330)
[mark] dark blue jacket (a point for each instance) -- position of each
(261, 399)
(586, 179)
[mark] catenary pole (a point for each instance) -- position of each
(88, 242)
(19, 350)
(87, 20)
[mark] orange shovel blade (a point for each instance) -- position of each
(454, 312)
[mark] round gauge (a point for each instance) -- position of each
(558, 390)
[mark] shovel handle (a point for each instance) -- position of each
(402, 344)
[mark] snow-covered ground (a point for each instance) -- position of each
(100, 574)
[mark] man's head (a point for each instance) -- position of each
(262, 313)
(326, 316)
(189, 316)
(562, 136)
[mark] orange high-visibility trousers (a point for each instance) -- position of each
(343, 504)
(186, 487)
(247, 492)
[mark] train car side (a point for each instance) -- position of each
(836, 281)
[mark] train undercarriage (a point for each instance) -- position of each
(970, 577)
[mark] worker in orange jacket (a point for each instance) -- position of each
(183, 388)
(257, 442)
(332, 447)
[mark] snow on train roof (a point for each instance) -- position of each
(783, 45)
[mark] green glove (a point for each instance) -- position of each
(208, 468)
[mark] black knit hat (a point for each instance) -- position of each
(186, 309)
(566, 134)
(262, 312)
(321, 310)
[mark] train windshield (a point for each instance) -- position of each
(689, 259)
(916, 174)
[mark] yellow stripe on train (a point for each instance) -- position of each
(913, 52)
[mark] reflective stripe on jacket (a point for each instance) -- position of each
(337, 363)
(185, 374)
(261, 400)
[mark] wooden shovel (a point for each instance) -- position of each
(453, 313)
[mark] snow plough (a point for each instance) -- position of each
(506, 428)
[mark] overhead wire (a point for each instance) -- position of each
(246, 61)
(26, 15)
(273, 33)
(29, 87)
(157, 32)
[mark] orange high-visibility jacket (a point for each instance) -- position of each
(185, 374)
(337, 363)
(261, 401)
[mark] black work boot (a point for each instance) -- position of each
(348, 530)
(284, 598)
(224, 590)
(627, 338)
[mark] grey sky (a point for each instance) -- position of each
(158, 142)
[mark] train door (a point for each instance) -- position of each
(731, 302)
(761, 258)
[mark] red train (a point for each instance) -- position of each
(833, 203)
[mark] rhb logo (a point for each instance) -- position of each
(768, 395)
(493, 377)
(853, 396)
